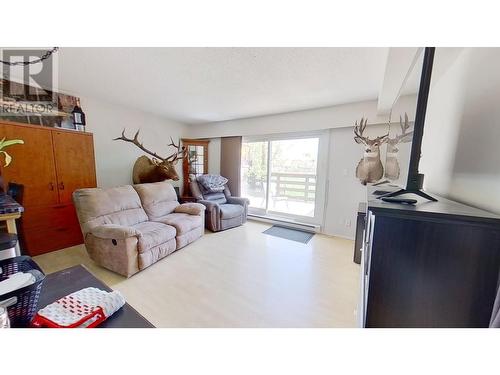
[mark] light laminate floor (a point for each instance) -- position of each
(238, 278)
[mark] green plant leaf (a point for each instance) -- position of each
(4, 143)
(8, 158)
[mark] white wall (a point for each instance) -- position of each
(444, 113)
(315, 119)
(115, 159)
(460, 147)
(344, 191)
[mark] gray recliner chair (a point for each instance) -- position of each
(223, 211)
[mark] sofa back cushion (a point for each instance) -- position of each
(158, 199)
(120, 205)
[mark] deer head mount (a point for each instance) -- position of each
(157, 168)
(392, 169)
(370, 168)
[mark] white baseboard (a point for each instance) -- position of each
(290, 223)
(342, 236)
(294, 224)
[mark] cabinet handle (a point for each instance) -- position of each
(61, 185)
(51, 186)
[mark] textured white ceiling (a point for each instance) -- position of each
(199, 85)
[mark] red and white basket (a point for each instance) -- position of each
(86, 308)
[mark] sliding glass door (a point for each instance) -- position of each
(254, 158)
(280, 176)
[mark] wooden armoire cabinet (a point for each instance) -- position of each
(51, 164)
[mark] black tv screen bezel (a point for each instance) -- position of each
(415, 179)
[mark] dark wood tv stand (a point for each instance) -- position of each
(435, 264)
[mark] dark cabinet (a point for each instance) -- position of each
(435, 264)
(360, 231)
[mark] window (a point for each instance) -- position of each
(280, 176)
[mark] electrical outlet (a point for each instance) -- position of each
(348, 223)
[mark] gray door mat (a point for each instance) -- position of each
(297, 235)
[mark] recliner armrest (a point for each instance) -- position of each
(211, 206)
(238, 200)
(114, 231)
(191, 209)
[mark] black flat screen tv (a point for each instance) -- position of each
(415, 179)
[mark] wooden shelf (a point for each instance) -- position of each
(48, 128)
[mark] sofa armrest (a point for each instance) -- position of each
(191, 209)
(238, 200)
(210, 206)
(118, 255)
(114, 231)
(212, 215)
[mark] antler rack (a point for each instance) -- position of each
(179, 154)
(359, 129)
(405, 135)
(136, 142)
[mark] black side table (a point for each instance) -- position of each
(61, 283)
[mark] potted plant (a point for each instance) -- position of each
(8, 159)
(6, 143)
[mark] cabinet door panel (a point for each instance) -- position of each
(32, 164)
(49, 216)
(61, 237)
(74, 156)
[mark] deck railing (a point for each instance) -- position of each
(294, 186)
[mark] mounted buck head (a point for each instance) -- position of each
(370, 168)
(157, 168)
(404, 137)
(372, 146)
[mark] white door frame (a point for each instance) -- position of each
(321, 175)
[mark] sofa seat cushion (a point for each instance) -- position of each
(191, 236)
(228, 211)
(183, 223)
(154, 254)
(153, 234)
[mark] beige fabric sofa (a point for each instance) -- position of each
(128, 228)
